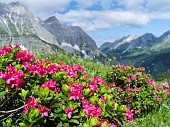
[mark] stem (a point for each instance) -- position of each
(12, 110)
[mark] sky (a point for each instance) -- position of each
(106, 20)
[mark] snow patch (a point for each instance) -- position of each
(128, 39)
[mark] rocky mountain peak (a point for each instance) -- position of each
(52, 19)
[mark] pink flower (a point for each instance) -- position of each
(52, 69)
(128, 80)
(118, 88)
(90, 109)
(25, 65)
(158, 99)
(47, 61)
(51, 85)
(133, 77)
(166, 84)
(96, 80)
(152, 84)
(154, 92)
(137, 89)
(128, 98)
(139, 73)
(92, 87)
(69, 112)
(75, 92)
(4, 51)
(25, 110)
(12, 77)
(128, 89)
(102, 99)
(126, 67)
(112, 85)
(71, 71)
(128, 114)
(24, 56)
(43, 111)
(32, 103)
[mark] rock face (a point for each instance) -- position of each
(147, 50)
(70, 37)
(18, 23)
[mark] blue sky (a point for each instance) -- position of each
(106, 20)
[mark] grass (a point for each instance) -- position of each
(157, 118)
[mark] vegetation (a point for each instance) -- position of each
(58, 90)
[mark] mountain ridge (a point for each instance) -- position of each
(17, 21)
(145, 48)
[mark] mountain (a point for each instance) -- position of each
(18, 25)
(71, 37)
(148, 51)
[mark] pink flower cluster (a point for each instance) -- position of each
(51, 85)
(128, 114)
(23, 56)
(102, 99)
(75, 92)
(130, 77)
(94, 82)
(40, 69)
(13, 77)
(71, 71)
(90, 109)
(32, 103)
(158, 99)
(4, 51)
(69, 112)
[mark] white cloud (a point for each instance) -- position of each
(85, 3)
(130, 4)
(94, 20)
(43, 8)
(158, 4)
(115, 13)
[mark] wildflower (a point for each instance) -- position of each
(133, 77)
(128, 80)
(92, 87)
(158, 99)
(128, 89)
(4, 51)
(43, 111)
(75, 92)
(90, 109)
(31, 103)
(12, 77)
(23, 56)
(102, 99)
(128, 98)
(69, 112)
(137, 89)
(51, 85)
(165, 84)
(128, 114)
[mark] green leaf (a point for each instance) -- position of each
(60, 125)
(23, 124)
(2, 94)
(74, 121)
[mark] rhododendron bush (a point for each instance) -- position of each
(39, 93)
(133, 87)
